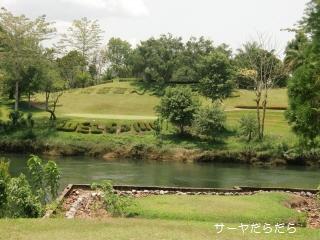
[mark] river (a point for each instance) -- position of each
(87, 170)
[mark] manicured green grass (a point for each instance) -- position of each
(260, 208)
(133, 229)
(277, 98)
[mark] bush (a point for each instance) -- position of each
(248, 126)
(67, 127)
(255, 107)
(142, 126)
(95, 130)
(52, 177)
(86, 124)
(21, 202)
(210, 121)
(15, 118)
(115, 204)
(125, 128)
(178, 106)
(136, 127)
(4, 180)
(111, 128)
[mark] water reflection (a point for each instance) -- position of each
(88, 170)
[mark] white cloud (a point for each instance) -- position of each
(135, 8)
(87, 3)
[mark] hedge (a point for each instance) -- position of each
(136, 127)
(111, 128)
(254, 107)
(125, 128)
(68, 127)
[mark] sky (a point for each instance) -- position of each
(233, 22)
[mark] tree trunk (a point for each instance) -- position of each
(29, 100)
(258, 118)
(16, 96)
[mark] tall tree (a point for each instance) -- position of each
(83, 36)
(195, 49)
(216, 71)
(260, 58)
(22, 38)
(70, 67)
(118, 56)
(156, 59)
(295, 51)
(304, 86)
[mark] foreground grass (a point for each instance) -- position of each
(259, 208)
(133, 229)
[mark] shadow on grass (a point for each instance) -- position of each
(218, 142)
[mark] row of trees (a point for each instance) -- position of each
(79, 59)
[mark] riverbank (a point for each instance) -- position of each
(141, 151)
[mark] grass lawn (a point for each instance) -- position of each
(172, 217)
(104, 104)
(133, 229)
(98, 102)
(259, 208)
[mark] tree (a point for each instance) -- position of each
(52, 85)
(248, 126)
(295, 51)
(156, 59)
(118, 56)
(70, 66)
(210, 121)
(303, 90)
(22, 38)
(83, 36)
(216, 71)
(259, 57)
(178, 106)
(304, 101)
(187, 70)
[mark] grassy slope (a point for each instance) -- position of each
(173, 217)
(88, 104)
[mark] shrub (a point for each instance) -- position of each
(125, 128)
(4, 180)
(83, 131)
(95, 130)
(36, 172)
(178, 106)
(142, 126)
(254, 107)
(15, 118)
(210, 121)
(67, 127)
(21, 202)
(115, 204)
(248, 126)
(147, 126)
(136, 127)
(52, 177)
(86, 124)
(111, 128)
